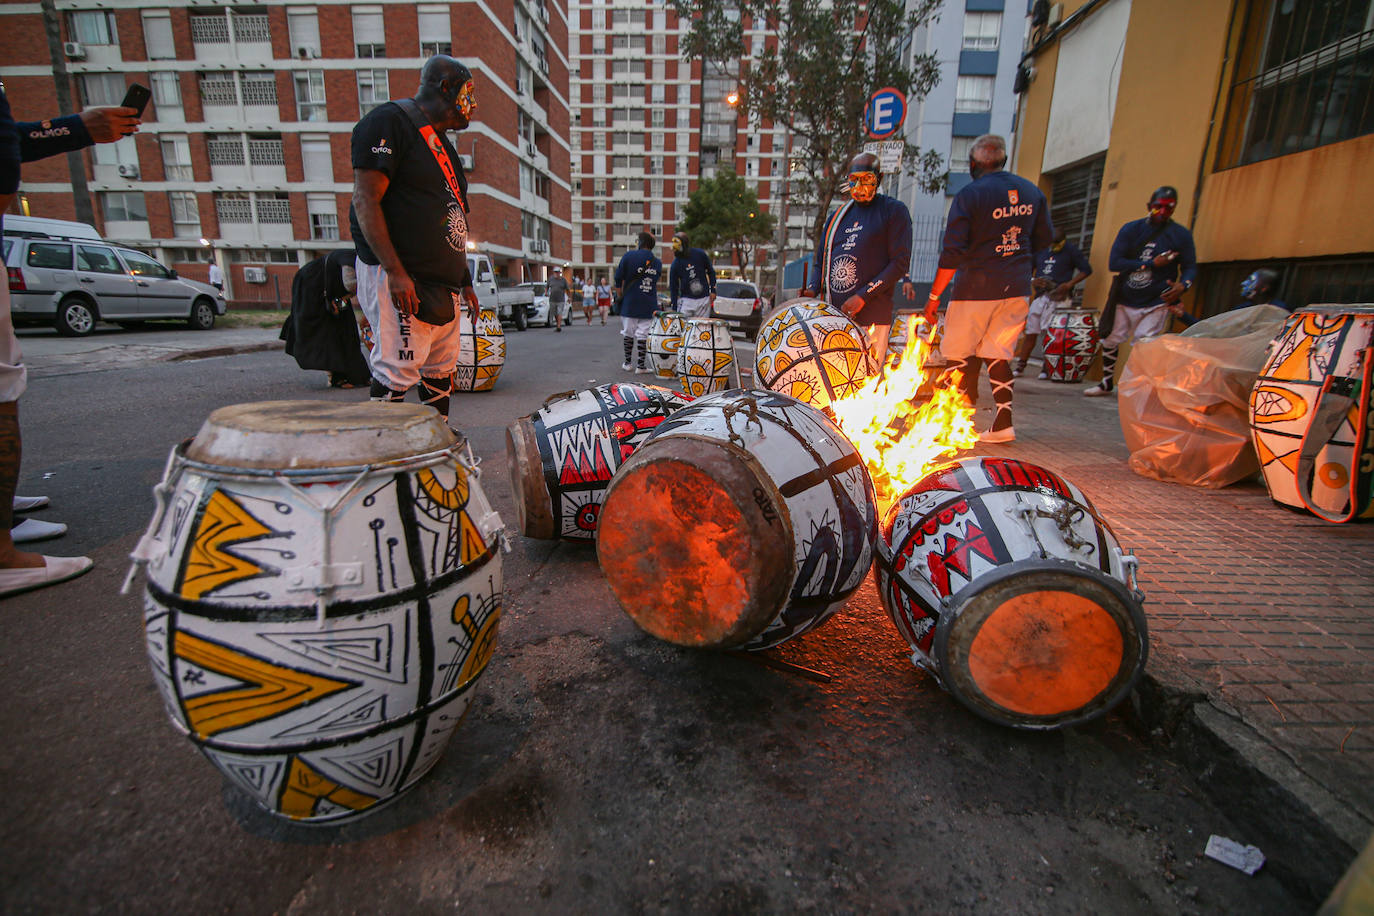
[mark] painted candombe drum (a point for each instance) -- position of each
(1310, 412)
(706, 361)
(481, 352)
(1070, 344)
(323, 591)
(1013, 591)
(811, 352)
(665, 340)
(563, 455)
(746, 519)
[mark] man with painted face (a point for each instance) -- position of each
(409, 223)
(865, 252)
(1157, 263)
(997, 224)
(691, 279)
(1058, 269)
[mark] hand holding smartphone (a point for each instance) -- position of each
(137, 98)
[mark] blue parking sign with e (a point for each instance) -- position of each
(884, 113)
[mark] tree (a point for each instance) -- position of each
(723, 212)
(816, 75)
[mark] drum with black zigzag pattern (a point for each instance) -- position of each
(481, 352)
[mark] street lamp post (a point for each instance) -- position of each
(782, 211)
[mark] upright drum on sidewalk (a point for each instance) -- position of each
(665, 340)
(1013, 591)
(706, 361)
(323, 592)
(746, 519)
(1070, 344)
(563, 455)
(481, 351)
(1310, 412)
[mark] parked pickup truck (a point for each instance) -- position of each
(512, 303)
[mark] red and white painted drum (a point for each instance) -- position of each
(745, 520)
(1013, 591)
(665, 340)
(1318, 344)
(706, 361)
(563, 455)
(812, 352)
(481, 351)
(323, 592)
(1070, 344)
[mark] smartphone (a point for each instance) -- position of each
(137, 97)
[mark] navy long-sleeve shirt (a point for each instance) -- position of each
(1061, 266)
(869, 251)
(1145, 284)
(25, 141)
(691, 275)
(996, 224)
(637, 276)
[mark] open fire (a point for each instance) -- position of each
(900, 437)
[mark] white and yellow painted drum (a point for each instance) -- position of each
(812, 352)
(1011, 589)
(745, 520)
(706, 361)
(1320, 358)
(481, 351)
(323, 592)
(665, 340)
(563, 455)
(1070, 344)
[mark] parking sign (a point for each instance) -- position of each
(884, 113)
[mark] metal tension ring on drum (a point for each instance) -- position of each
(1129, 565)
(322, 578)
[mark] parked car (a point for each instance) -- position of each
(540, 313)
(72, 283)
(738, 302)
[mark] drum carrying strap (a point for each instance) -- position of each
(1338, 395)
(832, 225)
(456, 183)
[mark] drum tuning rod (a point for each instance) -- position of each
(780, 665)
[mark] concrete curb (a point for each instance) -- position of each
(210, 352)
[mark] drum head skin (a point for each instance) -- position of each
(1043, 644)
(527, 479)
(689, 544)
(290, 435)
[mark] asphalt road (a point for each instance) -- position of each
(599, 770)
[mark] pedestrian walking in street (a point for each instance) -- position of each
(636, 282)
(409, 223)
(216, 276)
(865, 252)
(1155, 265)
(588, 299)
(21, 571)
(603, 298)
(1058, 269)
(996, 224)
(558, 298)
(691, 279)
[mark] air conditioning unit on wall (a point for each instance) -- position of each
(128, 170)
(255, 274)
(74, 50)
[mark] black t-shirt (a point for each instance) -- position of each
(427, 225)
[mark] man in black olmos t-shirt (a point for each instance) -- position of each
(409, 223)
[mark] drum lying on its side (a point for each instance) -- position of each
(746, 519)
(812, 352)
(1070, 344)
(665, 340)
(563, 455)
(706, 361)
(1013, 591)
(323, 592)
(481, 351)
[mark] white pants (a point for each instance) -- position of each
(637, 328)
(1041, 308)
(987, 328)
(694, 308)
(1137, 324)
(14, 376)
(403, 347)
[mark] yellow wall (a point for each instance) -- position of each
(1302, 205)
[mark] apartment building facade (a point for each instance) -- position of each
(244, 152)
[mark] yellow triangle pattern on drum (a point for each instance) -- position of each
(209, 564)
(473, 544)
(266, 690)
(1294, 365)
(723, 360)
(306, 787)
(483, 639)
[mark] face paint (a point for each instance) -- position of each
(467, 99)
(1247, 286)
(677, 246)
(1058, 246)
(862, 186)
(1161, 208)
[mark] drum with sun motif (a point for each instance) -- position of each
(1013, 592)
(747, 518)
(563, 455)
(481, 351)
(706, 362)
(665, 340)
(812, 352)
(323, 592)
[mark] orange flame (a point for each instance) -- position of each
(899, 441)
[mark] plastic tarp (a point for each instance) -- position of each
(1184, 398)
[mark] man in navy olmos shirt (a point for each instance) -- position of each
(1158, 264)
(691, 279)
(996, 225)
(865, 251)
(636, 280)
(1057, 271)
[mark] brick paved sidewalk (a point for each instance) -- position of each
(1269, 610)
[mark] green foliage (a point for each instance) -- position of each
(830, 56)
(723, 212)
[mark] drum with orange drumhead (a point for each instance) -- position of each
(1014, 592)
